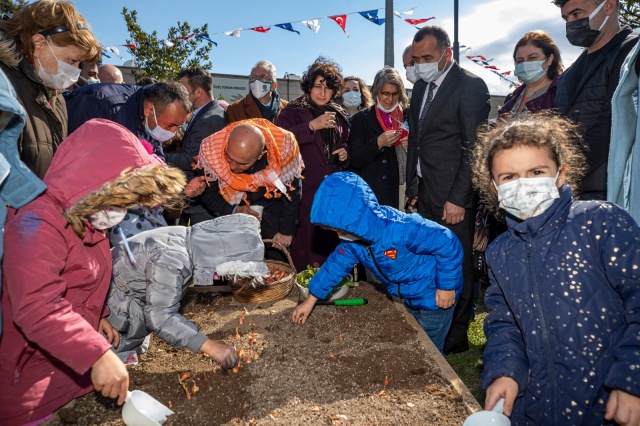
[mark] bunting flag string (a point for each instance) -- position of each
(206, 37)
(415, 22)
(372, 15)
(287, 27)
(312, 24)
(342, 21)
(260, 29)
(486, 64)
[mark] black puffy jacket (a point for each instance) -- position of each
(584, 95)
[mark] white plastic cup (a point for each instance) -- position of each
(493, 417)
(141, 409)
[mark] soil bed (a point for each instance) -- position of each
(358, 365)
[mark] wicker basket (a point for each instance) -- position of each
(243, 291)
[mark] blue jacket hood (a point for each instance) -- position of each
(345, 202)
(21, 185)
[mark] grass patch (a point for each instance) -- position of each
(468, 365)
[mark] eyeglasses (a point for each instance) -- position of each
(392, 95)
(265, 78)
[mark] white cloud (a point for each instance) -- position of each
(493, 28)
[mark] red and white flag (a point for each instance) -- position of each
(261, 29)
(419, 21)
(342, 21)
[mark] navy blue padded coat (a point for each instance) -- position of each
(564, 311)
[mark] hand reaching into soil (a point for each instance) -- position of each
(303, 310)
(224, 354)
(503, 387)
(110, 376)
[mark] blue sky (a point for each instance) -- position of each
(490, 27)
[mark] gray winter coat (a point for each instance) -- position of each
(145, 296)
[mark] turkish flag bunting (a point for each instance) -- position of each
(260, 29)
(186, 37)
(418, 21)
(342, 21)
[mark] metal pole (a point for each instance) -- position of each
(388, 33)
(456, 44)
(286, 75)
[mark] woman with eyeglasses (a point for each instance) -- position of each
(538, 66)
(41, 47)
(378, 139)
(321, 127)
(355, 95)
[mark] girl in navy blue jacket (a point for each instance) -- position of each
(563, 330)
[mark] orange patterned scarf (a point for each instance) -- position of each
(283, 158)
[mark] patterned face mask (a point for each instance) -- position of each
(107, 218)
(528, 197)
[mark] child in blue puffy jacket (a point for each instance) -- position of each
(563, 330)
(416, 259)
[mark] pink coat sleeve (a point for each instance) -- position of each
(35, 258)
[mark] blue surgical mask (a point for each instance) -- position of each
(351, 99)
(90, 80)
(158, 133)
(530, 72)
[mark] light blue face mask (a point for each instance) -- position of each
(530, 72)
(351, 99)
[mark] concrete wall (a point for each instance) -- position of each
(233, 87)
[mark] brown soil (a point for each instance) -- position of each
(361, 365)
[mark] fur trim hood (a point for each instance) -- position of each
(8, 52)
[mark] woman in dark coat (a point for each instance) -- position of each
(378, 142)
(321, 128)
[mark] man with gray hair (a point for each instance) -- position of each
(262, 101)
(110, 74)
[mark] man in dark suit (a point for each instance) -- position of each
(206, 119)
(447, 106)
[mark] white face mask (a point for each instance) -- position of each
(158, 133)
(429, 72)
(66, 76)
(352, 99)
(260, 89)
(528, 197)
(390, 110)
(412, 76)
(108, 218)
